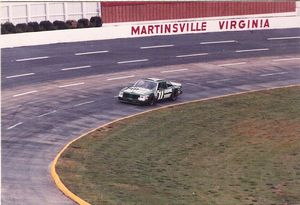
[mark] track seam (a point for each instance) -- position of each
(80, 201)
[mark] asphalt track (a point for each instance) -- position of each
(51, 94)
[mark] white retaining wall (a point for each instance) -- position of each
(141, 29)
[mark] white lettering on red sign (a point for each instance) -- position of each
(201, 26)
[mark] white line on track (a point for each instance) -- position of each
(90, 53)
(70, 85)
(26, 93)
(232, 64)
(218, 42)
(271, 74)
(252, 50)
(217, 81)
(285, 59)
(284, 38)
(157, 46)
(119, 78)
(11, 127)
(84, 103)
(133, 61)
(172, 71)
(29, 59)
(194, 84)
(76, 68)
(47, 113)
(20, 75)
(192, 55)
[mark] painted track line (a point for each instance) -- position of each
(26, 93)
(84, 103)
(47, 113)
(217, 81)
(285, 59)
(70, 85)
(232, 64)
(172, 71)
(133, 61)
(192, 55)
(194, 84)
(252, 50)
(76, 68)
(13, 126)
(284, 38)
(20, 75)
(90, 53)
(157, 46)
(30, 59)
(271, 74)
(119, 78)
(218, 42)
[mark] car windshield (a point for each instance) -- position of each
(145, 84)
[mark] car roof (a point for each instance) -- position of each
(154, 79)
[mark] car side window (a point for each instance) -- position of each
(162, 85)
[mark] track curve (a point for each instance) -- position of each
(44, 107)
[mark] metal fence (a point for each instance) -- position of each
(24, 12)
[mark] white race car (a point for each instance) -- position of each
(148, 91)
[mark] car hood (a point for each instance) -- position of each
(176, 84)
(137, 90)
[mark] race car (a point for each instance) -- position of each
(148, 91)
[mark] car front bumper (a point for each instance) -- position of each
(132, 101)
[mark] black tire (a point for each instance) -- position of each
(174, 95)
(152, 100)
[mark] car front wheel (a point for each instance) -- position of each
(152, 100)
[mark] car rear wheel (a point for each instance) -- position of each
(174, 95)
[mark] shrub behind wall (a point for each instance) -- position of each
(21, 28)
(8, 27)
(83, 23)
(95, 21)
(33, 27)
(71, 24)
(46, 26)
(60, 25)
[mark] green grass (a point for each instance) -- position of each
(235, 150)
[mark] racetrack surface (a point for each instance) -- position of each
(52, 94)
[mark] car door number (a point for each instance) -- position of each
(160, 94)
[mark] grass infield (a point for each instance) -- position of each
(242, 149)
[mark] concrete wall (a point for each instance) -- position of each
(24, 12)
(146, 11)
(125, 30)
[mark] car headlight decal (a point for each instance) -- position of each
(143, 97)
